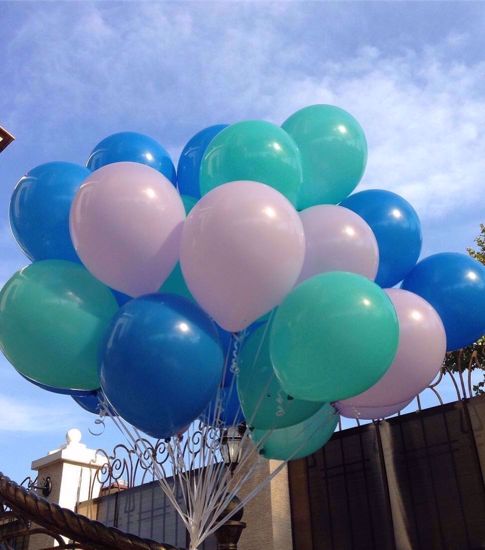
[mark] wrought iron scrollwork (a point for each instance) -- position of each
(41, 485)
(460, 378)
(124, 467)
(129, 466)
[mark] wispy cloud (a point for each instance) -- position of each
(170, 70)
(21, 415)
(11, 258)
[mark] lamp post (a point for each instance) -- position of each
(6, 139)
(231, 449)
(228, 535)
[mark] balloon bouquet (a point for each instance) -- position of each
(245, 295)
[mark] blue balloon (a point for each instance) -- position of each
(454, 284)
(89, 402)
(120, 298)
(397, 229)
(59, 391)
(228, 376)
(229, 346)
(132, 147)
(224, 409)
(39, 210)
(189, 163)
(162, 363)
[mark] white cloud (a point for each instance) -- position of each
(170, 70)
(21, 415)
(11, 258)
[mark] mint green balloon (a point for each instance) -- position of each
(53, 317)
(300, 440)
(175, 284)
(189, 203)
(333, 153)
(333, 337)
(264, 402)
(253, 150)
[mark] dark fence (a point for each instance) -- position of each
(413, 482)
(145, 511)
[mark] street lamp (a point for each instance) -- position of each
(230, 532)
(6, 139)
(231, 445)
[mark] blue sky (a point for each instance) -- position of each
(412, 73)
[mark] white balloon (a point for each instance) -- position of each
(370, 413)
(242, 250)
(338, 239)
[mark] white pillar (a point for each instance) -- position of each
(72, 469)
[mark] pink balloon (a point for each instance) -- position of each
(338, 239)
(370, 413)
(126, 225)
(242, 251)
(420, 354)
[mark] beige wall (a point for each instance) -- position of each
(268, 514)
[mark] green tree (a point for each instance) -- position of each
(472, 356)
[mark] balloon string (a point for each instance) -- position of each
(331, 412)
